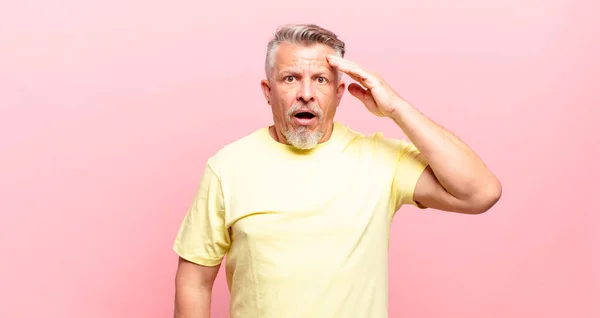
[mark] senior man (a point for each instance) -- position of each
(302, 209)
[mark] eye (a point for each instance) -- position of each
(289, 79)
(321, 80)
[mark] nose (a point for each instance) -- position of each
(306, 92)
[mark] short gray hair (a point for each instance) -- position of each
(302, 34)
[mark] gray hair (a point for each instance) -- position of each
(302, 34)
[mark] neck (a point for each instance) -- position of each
(278, 136)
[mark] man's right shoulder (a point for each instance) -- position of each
(235, 152)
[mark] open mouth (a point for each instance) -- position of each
(304, 115)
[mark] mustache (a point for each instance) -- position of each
(310, 106)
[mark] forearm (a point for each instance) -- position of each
(456, 166)
(192, 301)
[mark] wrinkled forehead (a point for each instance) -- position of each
(303, 59)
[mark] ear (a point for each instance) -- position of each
(266, 88)
(340, 91)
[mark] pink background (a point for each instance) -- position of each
(109, 109)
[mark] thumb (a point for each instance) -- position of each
(357, 91)
(364, 96)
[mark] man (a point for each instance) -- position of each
(303, 208)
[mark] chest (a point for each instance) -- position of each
(319, 199)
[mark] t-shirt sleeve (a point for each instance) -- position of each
(203, 237)
(410, 165)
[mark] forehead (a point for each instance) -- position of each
(302, 58)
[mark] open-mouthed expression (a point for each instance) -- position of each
(304, 89)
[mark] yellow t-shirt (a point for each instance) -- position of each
(305, 233)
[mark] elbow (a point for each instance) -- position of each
(486, 198)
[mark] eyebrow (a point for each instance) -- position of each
(318, 71)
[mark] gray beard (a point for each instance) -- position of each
(302, 138)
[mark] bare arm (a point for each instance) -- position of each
(457, 179)
(193, 289)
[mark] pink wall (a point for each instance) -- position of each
(108, 110)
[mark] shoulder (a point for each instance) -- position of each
(377, 141)
(231, 154)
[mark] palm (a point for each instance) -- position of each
(373, 91)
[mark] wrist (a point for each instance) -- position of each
(399, 109)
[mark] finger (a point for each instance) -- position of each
(334, 57)
(348, 67)
(343, 62)
(364, 96)
(357, 91)
(356, 72)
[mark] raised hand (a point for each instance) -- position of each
(379, 98)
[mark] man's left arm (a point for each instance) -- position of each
(456, 178)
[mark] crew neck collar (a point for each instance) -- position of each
(336, 134)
